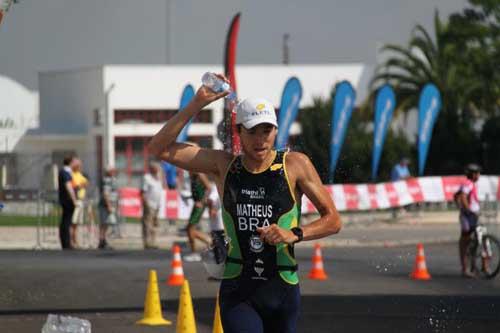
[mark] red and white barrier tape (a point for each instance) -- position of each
(347, 197)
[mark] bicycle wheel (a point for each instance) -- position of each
(490, 253)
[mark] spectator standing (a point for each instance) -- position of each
(108, 206)
(67, 200)
(151, 194)
(400, 171)
(80, 183)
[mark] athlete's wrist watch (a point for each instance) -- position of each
(299, 233)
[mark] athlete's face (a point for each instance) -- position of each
(257, 142)
(475, 176)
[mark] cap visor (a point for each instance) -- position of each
(254, 122)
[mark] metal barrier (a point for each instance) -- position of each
(489, 214)
(49, 217)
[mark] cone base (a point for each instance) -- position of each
(175, 281)
(420, 276)
(153, 322)
(317, 276)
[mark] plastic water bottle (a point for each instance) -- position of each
(62, 324)
(217, 85)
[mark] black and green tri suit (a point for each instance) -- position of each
(260, 280)
(197, 193)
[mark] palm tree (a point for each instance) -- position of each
(427, 60)
(435, 60)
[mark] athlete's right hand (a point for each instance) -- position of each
(274, 235)
(205, 96)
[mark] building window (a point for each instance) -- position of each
(131, 158)
(8, 169)
(157, 116)
(204, 117)
(143, 116)
(97, 117)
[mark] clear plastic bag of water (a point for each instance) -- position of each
(214, 258)
(66, 324)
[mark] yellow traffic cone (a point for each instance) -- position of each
(185, 316)
(217, 320)
(152, 306)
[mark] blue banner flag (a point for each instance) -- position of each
(343, 104)
(429, 106)
(289, 108)
(385, 101)
(187, 96)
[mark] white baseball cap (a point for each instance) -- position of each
(254, 111)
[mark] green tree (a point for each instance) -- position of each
(476, 31)
(490, 144)
(354, 165)
(437, 60)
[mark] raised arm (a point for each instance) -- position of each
(188, 157)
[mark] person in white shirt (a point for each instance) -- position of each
(216, 223)
(151, 193)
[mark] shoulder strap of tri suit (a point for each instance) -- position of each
(279, 156)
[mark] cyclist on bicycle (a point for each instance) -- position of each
(468, 202)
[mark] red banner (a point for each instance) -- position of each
(451, 185)
(230, 72)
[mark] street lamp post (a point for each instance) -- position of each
(108, 122)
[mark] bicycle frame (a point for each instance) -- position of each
(479, 234)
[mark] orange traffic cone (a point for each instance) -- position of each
(420, 270)
(177, 276)
(317, 272)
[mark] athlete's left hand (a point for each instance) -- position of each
(273, 235)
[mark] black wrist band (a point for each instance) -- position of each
(299, 233)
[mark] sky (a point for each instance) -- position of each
(41, 35)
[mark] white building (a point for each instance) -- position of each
(107, 114)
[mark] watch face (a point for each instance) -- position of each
(298, 232)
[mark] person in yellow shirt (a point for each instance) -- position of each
(80, 184)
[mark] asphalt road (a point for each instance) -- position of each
(368, 290)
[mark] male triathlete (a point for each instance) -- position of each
(260, 191)
(200, 189)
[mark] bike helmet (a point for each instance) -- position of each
(472, 168)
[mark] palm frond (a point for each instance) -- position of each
(409, 56)
(393, 77)
(427, 50)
